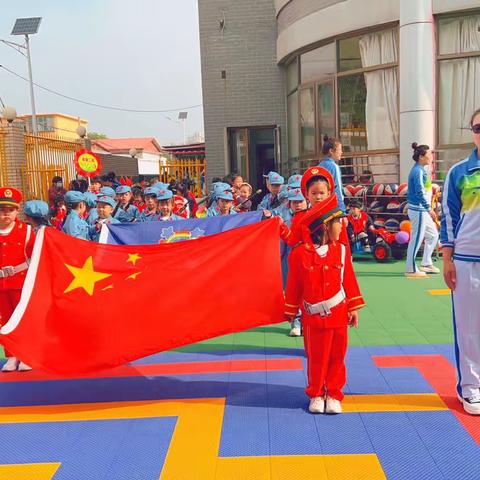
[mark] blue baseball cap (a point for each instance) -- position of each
(283, 194)
(123, 189)
(224, 193)
(221, 188)
(295, 194)
(164, 194)
(36, 208)
(72, 196)
(160, 186)
(106, 199)
(294, 181)
(107, 191)
(150, 191)
(274, 178)
(91, 199)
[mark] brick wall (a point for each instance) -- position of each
(252, 94)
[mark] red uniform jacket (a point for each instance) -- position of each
(299, 231)
(316, 278)
(15, 249)
(360, 224)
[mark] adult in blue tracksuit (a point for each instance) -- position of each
(332, 151)
(460, 239)
(422, 216)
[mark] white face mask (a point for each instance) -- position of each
(59, 184)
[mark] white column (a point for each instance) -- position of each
(417, 79)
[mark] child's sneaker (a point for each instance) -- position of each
(10, 365)
(23, 367)
(295, 332)
(317, 405)
(333, 405)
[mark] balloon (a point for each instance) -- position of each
(402, 237)
(406, 226)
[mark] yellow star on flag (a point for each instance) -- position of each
(133, 276)
(85, 277)
(133, 257)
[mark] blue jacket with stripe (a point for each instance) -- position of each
(419, 194)
(461, 209)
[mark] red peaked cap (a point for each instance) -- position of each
(321, 213)
(10, 196)
(316, 172)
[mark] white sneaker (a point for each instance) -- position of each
(295, 332)
(472, 404)
(10, 365)
(23, 367)
(333, 406)
(417, 274)
(429, 269)
(317, 405)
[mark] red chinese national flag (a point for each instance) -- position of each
(87, 306)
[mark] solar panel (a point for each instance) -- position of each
(26, 26)
(182, 115)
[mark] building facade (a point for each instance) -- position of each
(55, 125)
(243, 88)
(378, 75)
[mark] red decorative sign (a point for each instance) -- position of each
(87, 163)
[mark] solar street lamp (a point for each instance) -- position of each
(26, 27)
(182, 116)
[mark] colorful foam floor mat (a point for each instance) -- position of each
(235, 408)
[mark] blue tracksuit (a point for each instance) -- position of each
(334, 170)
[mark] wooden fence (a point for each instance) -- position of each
(45, 159)
(176, 169)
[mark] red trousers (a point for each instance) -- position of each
(326, 349)
(8, 301)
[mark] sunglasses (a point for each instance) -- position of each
(476, 128)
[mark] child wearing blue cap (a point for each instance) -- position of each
(125, 211)
(151, 211)
(224, 202)
(165, 206)
(105, 206)
(75, 225)
(295, 203)
(36, 214)
(274, 183)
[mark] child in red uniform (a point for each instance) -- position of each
(16, 245)
(317, 185)
(360, 226)
(321, 282)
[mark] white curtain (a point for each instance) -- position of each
(381, 109)
(459, 79)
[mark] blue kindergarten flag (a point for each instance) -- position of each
(144, 233)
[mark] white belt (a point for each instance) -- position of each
(324, 308)
(10, 271)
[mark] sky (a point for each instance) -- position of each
(134, 54)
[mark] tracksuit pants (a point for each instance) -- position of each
(8, 301)
(423, 227)
(326, 349)
(466, 327)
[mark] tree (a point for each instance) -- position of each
(96, 135)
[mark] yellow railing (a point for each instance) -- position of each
(179, 169)
(3, 161)
(45, 159)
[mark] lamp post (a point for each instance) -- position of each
(10, 114)
(182, 116)
(26, 27)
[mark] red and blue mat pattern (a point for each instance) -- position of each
(241, 415)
